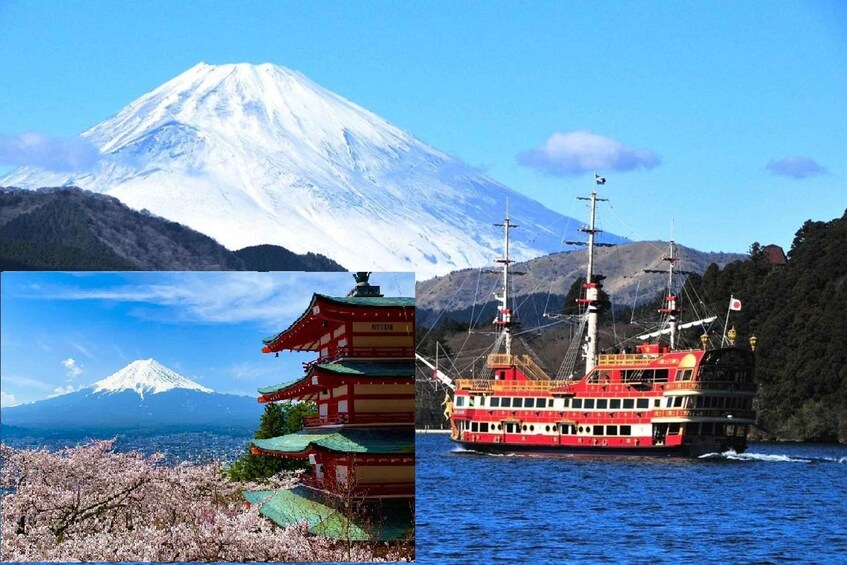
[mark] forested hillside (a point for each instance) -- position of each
(799, 314)
(68, 228)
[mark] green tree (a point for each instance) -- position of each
(279, 419)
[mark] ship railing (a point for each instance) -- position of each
(488, 385)
(713, 385)
(626, 358)
(523, 362)
(705, 413)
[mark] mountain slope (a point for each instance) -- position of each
(70, 228)
(143, 394)
(546, 280)
(260, 154)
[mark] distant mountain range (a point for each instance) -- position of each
(72, 229)
(142, 395)
(545, 281)
(259, 154)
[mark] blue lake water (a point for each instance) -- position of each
(196, 447)
(776, 503)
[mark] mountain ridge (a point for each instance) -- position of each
(119, 403)
(546, 280)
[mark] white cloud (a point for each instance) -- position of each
(81, 348)
(218, 297)
(27, 382)
(37, 150)
(578, 152)
(73, 368)
(7, 400)
(58, 391)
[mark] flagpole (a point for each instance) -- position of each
(726, 323)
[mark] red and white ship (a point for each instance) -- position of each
(656, 400)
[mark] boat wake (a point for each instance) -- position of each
(733, 456)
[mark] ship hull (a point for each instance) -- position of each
(653, 451)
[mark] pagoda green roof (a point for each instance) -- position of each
(351, 440)
(353, 368)
(379, 520)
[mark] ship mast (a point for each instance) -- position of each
(592, 288)
(670, 309)
(504, 314)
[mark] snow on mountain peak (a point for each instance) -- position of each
(260, 154)
(146, 375)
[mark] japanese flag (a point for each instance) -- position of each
(734, 304)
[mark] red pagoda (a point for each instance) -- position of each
(360, 447)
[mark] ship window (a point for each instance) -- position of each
(532, 428)
(730, 430)
(470, 401)
(677, 402)
(483, 427)
(567, 402)
(615, 404)
(546, 428)
(580, 429)
(657, 403)
(628, 403)
(499, 426)
(661, 376)
(494, 402)
(602, 403)
(626, 430)
(528, 402)
(598, 430)
(506, 403)
(673, 429)
(460, 401)
(643, 403)
(611, 430)
(481, 401)
(589, 404)
(474, 426)
(524, 427)
(517, 402)
(549, 403)
(577, 403)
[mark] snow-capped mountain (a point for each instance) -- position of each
(142, 395)
(253, 154)
(146, 375)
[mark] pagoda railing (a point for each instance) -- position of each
(364, 490)
(361, 418)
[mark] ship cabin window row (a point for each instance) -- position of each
(716, 429)
(719, 374)
(558, 403)
(629, 376)
(725, 402)
(564, 429)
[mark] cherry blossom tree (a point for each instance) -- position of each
(90, 503)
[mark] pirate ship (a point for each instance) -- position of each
(655, 399)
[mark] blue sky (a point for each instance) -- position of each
(721, 123)
(62, 331)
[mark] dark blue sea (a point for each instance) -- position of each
(776, 503)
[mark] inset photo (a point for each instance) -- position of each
(207, 416)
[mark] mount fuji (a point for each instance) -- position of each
(259, 154)
(142, 395)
